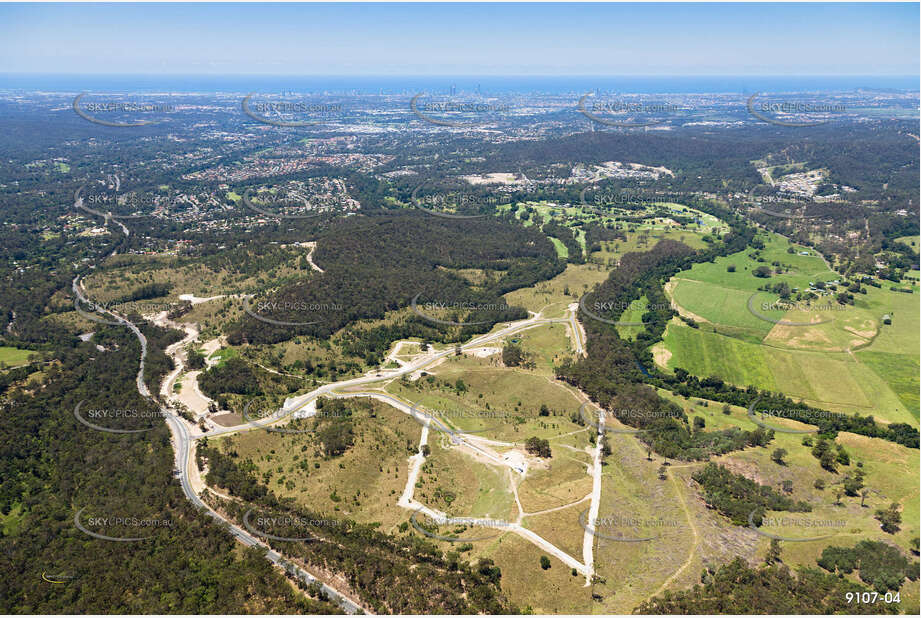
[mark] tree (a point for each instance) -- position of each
(827, 460)
(662, 471)
(819, 484)
(852, 485)
(537, 446)
(890, 518)
(513, 355)
(843, 458)
(863, 496)
(731, 268)
(196, 359)
(699, 423)
(605, 446)
(544, 410)
(544, 562)
(426, 450)
(762, 272)
(778, 455)
(773, 553)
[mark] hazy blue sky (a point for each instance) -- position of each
(444, 39)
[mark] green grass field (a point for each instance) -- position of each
(461, 486)
(835, 382)
(911, 241)
(12, 357)
(561, 249)
(848, 360)
(546, 346)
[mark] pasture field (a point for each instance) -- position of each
(502, 404)
(839, 357)
(546, 346)
(364, 483)
(653, 533)
(558, 591)
(633, 313)
(553, 296)
(560, 528)
(833, 381)
(564, 480)
(461, 486)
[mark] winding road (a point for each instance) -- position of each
(184, 435)
(183, 443)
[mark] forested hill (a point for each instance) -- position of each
(52, 466)
(379, 263)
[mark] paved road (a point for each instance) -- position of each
(182, 443)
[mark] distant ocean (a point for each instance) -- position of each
(487, 85)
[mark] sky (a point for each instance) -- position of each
(452, 39)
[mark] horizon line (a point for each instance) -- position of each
(671, 75)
